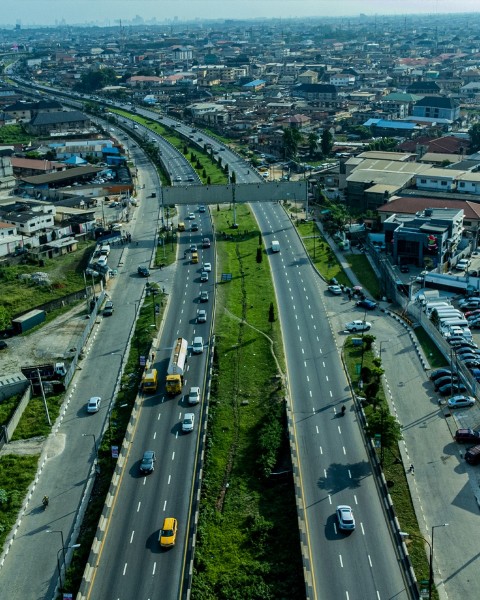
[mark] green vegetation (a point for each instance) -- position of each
(16, 474)
(246, 518)
(362, 268)
(19, 294)
(205, 163)
(33, 421)
(14, 134)
(7, 408)
(432, 353)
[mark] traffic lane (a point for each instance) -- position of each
(145, 500)
(344, 476)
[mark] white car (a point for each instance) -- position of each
(346, 520)
(93, 405)
(461, 402)
(358, 326)
(194, 395)
(102, 261)
(207, 267)
(188, 421)
(191, 216)
(336, 290)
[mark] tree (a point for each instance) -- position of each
(383, 423)
(271, 313)
(291, 139)
(260, 238)
(326, 142)
(312, 143)
(474, 133)
(259, 255)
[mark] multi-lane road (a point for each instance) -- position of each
(333, 461)
(131, 563)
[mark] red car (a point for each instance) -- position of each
(471, 313)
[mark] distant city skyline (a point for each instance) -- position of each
(108, 12)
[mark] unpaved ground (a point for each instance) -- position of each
(53, 342)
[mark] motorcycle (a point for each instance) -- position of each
(45, 502)
(343, 410)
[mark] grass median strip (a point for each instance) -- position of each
(248, 542)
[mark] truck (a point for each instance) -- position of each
(275, 246)
(176, 367)
(46, 371)
(150, 381)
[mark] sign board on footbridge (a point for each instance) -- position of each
(291, 191)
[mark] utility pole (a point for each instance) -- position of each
(44, 399)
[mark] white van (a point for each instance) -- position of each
(275, 246)
(431, 306)
(454, 323)
(449, 314)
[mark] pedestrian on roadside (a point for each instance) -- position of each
(412, 469)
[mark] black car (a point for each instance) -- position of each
(471, 363)
(449, 389)
(404, 269)
(467, 436)
(439, 373)
(108, 310)
(143, 272)
(442, 381)
(148, 462)
(367, 304)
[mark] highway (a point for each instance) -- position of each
(333, 461)
(131, 563)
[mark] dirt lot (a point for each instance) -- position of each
(53, 342)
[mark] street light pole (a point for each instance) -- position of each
(64, 563)
(61, 534)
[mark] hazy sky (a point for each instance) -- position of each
(47, 12)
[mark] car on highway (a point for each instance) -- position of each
(178, 178)
(207, 267)
(206, 243)
(467, 436)
(194, 226)
(366, 304)
(203, 276)
(191, 216)
(194, 395)
(148, 462)
(336, 290)
(201, 316)
(358, 326)
(460, 401)
(203, 296)
(201, 208)
(108, 309)
(345, 518)
(143, 271)
(93, 404)
(455, 388)
(188, 422)
(168, 533)
(197, 346)
(193, 248)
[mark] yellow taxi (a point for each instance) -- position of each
(168, 533)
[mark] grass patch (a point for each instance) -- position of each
(241, 550)
(14, 134)
(432, 353)
(16, 474)
(362, 268)
(66, 276)
(33, 421)
(7, 408)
